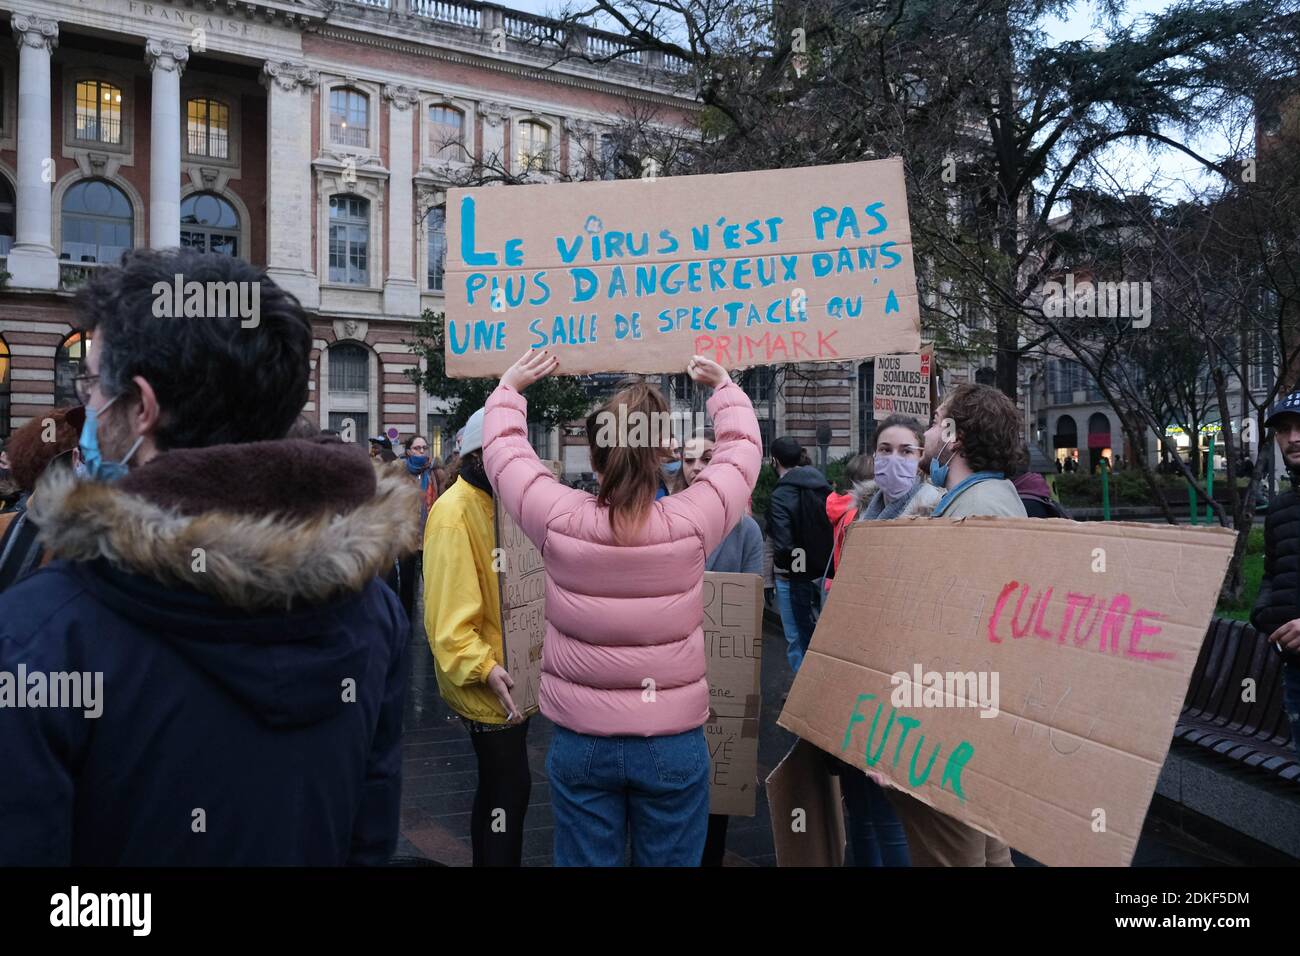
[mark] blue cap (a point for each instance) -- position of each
(1286, 406)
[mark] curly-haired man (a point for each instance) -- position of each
(974, 443)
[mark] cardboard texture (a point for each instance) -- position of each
(901, 385)
(522, 580)
(807, 809)
(1091, 630)
(733, 641)
(758, 268)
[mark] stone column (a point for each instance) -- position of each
(401, 293)
(166, 61)
(289, 213)
(32, 260)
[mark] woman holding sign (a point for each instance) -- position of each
(741, 552)
(462, 618)
(624, 673)
(895, 490)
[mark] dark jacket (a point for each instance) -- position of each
(252, 666)
(1279, 590)
(796, 518)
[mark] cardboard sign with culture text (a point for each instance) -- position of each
(756, 268)
(1021, 675)
(733, 641)
(901, 385)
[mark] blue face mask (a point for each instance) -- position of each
(96, 468)
(939, 472)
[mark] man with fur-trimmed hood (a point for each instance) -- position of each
(232, 670)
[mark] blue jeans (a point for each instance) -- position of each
(1291, 699)
(603, 788)
(795, 600)
(875, 833)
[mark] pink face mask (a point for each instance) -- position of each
(895, 474)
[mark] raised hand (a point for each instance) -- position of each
(534, 365)
(706, 371)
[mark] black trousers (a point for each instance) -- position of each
(408, 571)
(496, 823)
(715, 840)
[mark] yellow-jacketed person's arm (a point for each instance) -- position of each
(453, 607)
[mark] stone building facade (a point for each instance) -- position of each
(313, 139)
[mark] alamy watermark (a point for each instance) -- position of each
(946, 689)
(78, 690)
(638, 429)
(208, 300)
(1103, 300)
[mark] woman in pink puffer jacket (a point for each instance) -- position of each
(623, 666)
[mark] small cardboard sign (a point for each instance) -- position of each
(805, 800)
(902, 385)
(522, 580)
(1020, 675)
(733, 641)
(756, 268)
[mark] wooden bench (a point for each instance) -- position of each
(1256, 733)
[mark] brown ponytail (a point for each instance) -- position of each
(630, 471)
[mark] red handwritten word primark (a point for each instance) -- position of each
(765, 347)
(1113, 618)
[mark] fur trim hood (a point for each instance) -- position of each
(297, 521)
(922, 505)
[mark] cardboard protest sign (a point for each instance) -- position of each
(733, 640)
(1021, 675)
(760, 268)
(523, 611)
(901, 385)
(807, 809)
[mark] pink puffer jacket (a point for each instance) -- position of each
(619, 614)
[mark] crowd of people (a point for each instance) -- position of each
(251, 634)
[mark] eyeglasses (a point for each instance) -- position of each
(83, 385)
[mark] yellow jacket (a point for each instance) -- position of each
(462, 603)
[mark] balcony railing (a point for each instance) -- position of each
(447, 11)
(601, 47)
(72, 275)
(530, 29)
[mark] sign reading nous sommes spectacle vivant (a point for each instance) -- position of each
(769, 267)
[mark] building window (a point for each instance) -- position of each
(209, 224)
(349, 117)
(99, 112)
(4, 388)
(446, 133)
(1065, 377)
(349, 240)
(534, 151)
(209, 128)
(67, 365)
(608, 157)
(437, 435)
(437, 239)
(349, 369)
(866, 410)
(1263, 360)
(758, 384)
(539, 436)
(360, 425)
(97, 222)
(6, 216)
